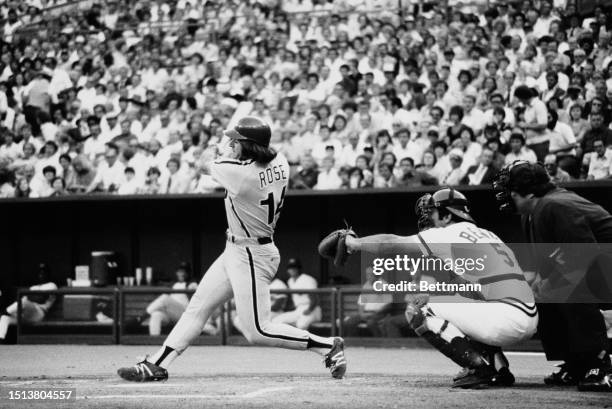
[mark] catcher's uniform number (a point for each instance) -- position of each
(42, 394)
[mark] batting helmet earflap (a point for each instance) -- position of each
(251, 129)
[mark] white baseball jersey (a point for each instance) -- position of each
(254, 194)
(302, 282)
(501, 279)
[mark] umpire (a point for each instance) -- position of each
(570, 330)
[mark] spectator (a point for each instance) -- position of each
(534, 121)
(578, 124)
(518, 150)
(130, 186)
(175, 182)
(499, 159)
(9, 149)
(473, 117)
(411, 177)
(556, 174)
(385, 177)
(43, 187)
(562, 143)
(59, 187)
(506, 114)
(306, 309)
(23, 188)
(110, 174)
(457, 126)
(484, 172)
(67, 173)
(598, 130)
(27, 157)
(328, 177)
(317, 79)
(471, 149)
(306, 175)
(405, 147)
(152, 183)
(351, 150)
(600, 161)
(83, 175)
(34, 307)
(455, 174)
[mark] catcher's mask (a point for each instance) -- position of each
(448, 199)
(520, 176)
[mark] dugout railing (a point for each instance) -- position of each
(70, 321)
(75, 317)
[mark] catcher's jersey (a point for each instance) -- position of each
(254, 194)
(501, 276)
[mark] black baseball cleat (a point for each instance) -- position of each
(561, 378)
(596, 380)
(476, 378)
(143, 372)
(335, 359)
(503, 377)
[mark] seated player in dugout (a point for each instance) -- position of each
(369, 313)
(571, 328)
(34, 307)
(307, 310)
(168, 308)
(469, 328)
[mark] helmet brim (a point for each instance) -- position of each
(460, 213)
(234, 134)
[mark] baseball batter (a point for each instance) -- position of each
(470, 329)
(255, 178)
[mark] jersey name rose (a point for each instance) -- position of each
(271, 175)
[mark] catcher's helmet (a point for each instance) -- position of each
(251, 129)
(449, 199)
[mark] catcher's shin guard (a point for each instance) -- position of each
(460, 349)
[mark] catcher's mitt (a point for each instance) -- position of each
(334, 246)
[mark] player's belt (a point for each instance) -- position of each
(248, 240)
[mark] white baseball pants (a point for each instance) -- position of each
(245, 272)
(492, 323)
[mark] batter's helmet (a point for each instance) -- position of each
(448, 199)
(251, 129)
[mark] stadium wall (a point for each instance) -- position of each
(162, 231)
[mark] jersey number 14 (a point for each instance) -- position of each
(269, 202)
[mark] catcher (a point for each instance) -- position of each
(469, 328)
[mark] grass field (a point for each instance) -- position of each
(239, 377)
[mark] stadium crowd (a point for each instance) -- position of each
(131, 97)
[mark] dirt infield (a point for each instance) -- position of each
(238, 377)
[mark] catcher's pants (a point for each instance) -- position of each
(492, 323)
(164, 310)
(298, 318)
(245, 272)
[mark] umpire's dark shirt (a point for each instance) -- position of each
(562, 216)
